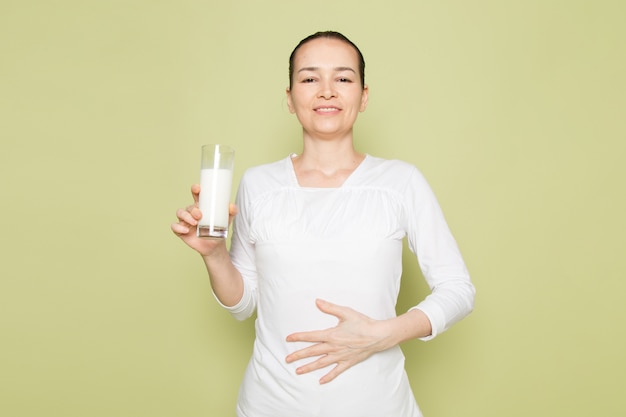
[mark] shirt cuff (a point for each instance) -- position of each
(244, 308)
(435, 316)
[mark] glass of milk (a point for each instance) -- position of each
(216, 179)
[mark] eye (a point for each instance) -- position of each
(344, 80)
(308, 80)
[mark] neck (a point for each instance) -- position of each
(326, 164)
(329, 154)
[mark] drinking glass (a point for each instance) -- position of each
(216, 178)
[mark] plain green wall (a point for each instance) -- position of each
(514, 111)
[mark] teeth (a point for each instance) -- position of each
(327, 109)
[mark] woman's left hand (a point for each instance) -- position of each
(355, 338)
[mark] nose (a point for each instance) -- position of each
(327, 90)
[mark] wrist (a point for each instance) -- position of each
(410, 325)
(216, 252)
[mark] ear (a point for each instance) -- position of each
(289, 103)
(364, 98)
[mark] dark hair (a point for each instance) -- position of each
(329, 34)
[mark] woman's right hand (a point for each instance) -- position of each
(188, 223)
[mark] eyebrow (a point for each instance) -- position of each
(338, 69)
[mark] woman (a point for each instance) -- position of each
(317, 252)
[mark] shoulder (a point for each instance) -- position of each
(261, 179)
(394, 172)
(399, 179)
(391, 164)
(266, 173)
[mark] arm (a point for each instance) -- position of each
(355, 338)
(429, 237)
(226, 280)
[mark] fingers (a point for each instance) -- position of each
(180, 229)
(321, 336)
(321, 351)
(350, 342)
(336, 310)
(320, 363)
(326, 306)
(187, 220)
(195, 192)
(333, 373)
(191, 215)
(232, 212)
(324, 361)
(312, 336)
(314, 350)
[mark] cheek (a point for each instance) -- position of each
(290, 104)
(363, 102)
(298, 105)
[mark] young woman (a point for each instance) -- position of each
(317, 252)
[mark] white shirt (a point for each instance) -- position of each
(295, 244)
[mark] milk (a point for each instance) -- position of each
(215, 189)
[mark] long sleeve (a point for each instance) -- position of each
(243, 255)
(452, 292)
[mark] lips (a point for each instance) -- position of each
(327, 109)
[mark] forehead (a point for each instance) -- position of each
(326, 52)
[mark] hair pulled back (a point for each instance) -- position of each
(329, 34)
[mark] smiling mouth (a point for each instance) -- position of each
(327, 109)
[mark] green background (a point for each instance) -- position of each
(513, 110)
